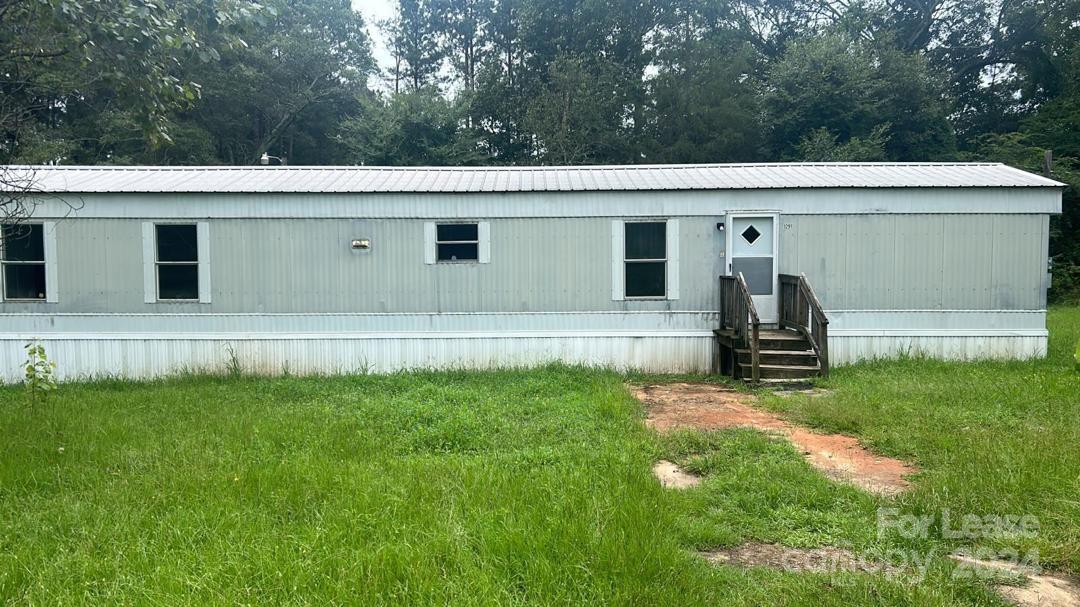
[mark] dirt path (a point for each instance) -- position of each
(713, 407)
(798, 560)
(1039, 589)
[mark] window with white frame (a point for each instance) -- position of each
(22, 254)
(457, 242)
(645, 259)
(177, 261)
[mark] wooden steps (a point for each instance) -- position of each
(790, 357)
(795, 352)
(783, 355)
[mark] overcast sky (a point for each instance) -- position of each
(375, 11)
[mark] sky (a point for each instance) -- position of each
(375, 11)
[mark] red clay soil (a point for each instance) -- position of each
(713, 407)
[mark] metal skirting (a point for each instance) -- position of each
(847, 348)
(131, 356)
(151, 357)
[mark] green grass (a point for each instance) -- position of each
(992, 438)
(510, 487)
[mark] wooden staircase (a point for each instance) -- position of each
(795, 351)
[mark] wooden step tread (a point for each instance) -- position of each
(792, 367)
(787, 367)
(807, 352)
(780, 334)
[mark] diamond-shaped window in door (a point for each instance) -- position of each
(751, 234)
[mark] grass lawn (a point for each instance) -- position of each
(513, 487)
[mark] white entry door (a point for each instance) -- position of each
(751, 249)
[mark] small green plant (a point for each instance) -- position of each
(39, 379)
(1076, 357)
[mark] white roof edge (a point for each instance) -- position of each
(367, 179)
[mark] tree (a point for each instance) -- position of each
(289, 87)
(59, 55)
(1000, 59)
(530, 42)
(464, 27)
(822, 146)
(851, 89)
(577, 117)
(704, 104)
(414, 40)
(417, 128)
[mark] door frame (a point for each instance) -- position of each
(771, 316)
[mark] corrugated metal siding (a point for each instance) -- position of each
(886, 262)
(929, 322)
(97, 358)
(296, 266)
(883, 262)
(79, 359)
(383, 326)
(528, 179)
(844, 350)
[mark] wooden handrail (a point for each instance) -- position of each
(800, 309)
(738, 314)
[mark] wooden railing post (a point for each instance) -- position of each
(737, 314)
(801, 310)
(753, 331)
(823, 356)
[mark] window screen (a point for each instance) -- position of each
(23, 257)
(646, 259)
(457, 242)
(177, 262)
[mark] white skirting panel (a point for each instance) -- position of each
(849, 349)
(100, 356)
(131, 356)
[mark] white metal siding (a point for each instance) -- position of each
(52, 267)
(673, 271)
(202, 230)
(149, 258)
(146, 358)
(893, 262)
(618, 252)
(265, 266)
(483, 234)
(430, 236)
(851, 349)
(78, 359)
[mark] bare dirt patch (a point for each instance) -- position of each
(673, 477)
(714, 407)
(799, 560)
(1039, 589)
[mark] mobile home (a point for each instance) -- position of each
(143, 271)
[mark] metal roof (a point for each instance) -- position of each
(303, 179)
